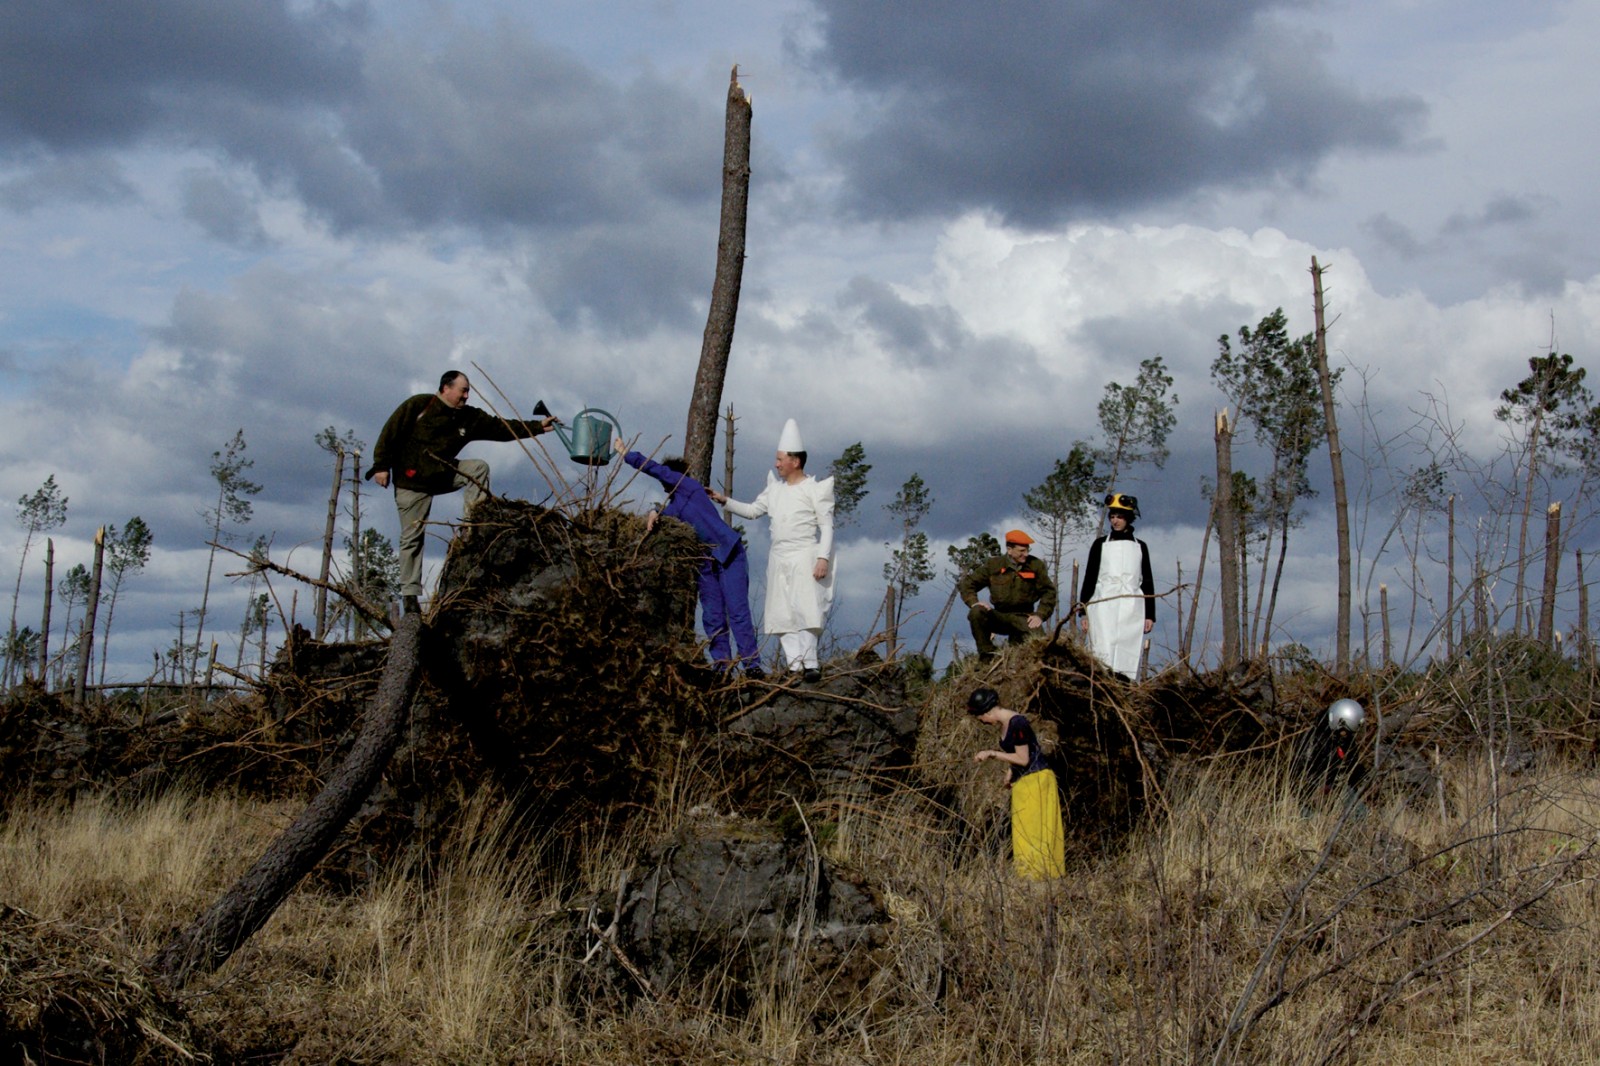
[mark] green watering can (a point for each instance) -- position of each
(589, 443)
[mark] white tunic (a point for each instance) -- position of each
(802, 533)
(1116, 626)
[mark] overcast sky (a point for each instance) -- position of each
(965, 221)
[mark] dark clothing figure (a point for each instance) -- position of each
(419, 443)
(724, 576)
(1115, 577)
(416, 453)
(1016, 591)
(1330, 764)
(1019, 734)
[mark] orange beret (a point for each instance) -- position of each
(1017, 536)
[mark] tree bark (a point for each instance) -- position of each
(1227, 542)
(220, 931)
(86, 636)
(1186, 643)
(1552, 567)
(1450, 583)
(44, 625)
(1341, 505)
(327, 543)
(701, 436)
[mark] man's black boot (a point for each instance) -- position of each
(410, 605)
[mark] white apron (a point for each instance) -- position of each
(1116, 626)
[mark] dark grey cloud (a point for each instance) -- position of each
(1046, 109)
(81, 74)
(455, 125)
(1502, 210)
(911, 335)
(225, 211)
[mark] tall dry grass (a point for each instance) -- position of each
(1247, 926)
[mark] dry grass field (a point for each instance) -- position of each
(1238, 925)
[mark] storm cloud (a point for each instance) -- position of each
(1044, 110)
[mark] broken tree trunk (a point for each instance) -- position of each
(1552, 568)
(701, 436)
(1341, 500)
(216, 935)
(1227, 542)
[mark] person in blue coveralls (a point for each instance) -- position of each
(724, 577)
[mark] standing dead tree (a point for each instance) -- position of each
(1341, 497)
(213, 937)
(701, 436)
(1222, 502)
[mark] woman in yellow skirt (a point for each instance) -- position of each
(1036, 835)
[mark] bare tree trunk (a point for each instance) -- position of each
(891, 623)
(1383, 623)
(232, 919)
(86, 637)
(1450, 583)
(1341, 504)
(701, 435)
(44, 625)
(1177, 592)
(1552, 567)
(1277, 581)
(1583, 613)
(727, 463)
(1522, 529)
(938, 626)
(1187, 644)
(327, 542)
(1227, 542)
(1480, 602)
(358, 566)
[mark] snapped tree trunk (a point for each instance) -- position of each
(701, 436)
(327, 543)
(1450, 583)
(86, 637)
(1227, 542)
(220, 931)
(1341, 505)
(44, 624)
(1552, 566)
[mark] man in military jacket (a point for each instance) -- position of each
(417, 451)
(1021, 595)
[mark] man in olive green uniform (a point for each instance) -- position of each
(417, 450)
(1021, 595)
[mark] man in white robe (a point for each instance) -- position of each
(799, 563)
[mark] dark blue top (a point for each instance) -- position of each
(1020, 734)
(687, 502)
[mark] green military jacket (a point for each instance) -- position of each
(419, 443)
(1012, 589)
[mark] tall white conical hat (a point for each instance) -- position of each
(789, 440)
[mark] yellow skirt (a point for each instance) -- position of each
(1036, 835)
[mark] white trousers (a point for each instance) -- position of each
(800, 649)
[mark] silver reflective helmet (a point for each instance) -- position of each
(1346, 714)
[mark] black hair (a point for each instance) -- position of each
(448, 376)
(800, 456)
(676, 464)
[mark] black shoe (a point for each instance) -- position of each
(409, 605)
(755, 673)
(811, 676)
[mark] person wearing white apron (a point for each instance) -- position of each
(799, 564)
(1118, 595)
